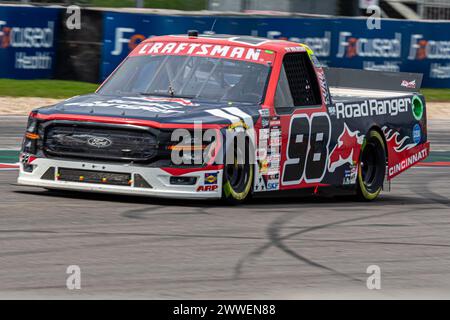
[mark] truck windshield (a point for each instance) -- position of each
(191, 77)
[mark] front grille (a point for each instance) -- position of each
(97, 177)
(100, 143)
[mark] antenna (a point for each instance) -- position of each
(212, 27)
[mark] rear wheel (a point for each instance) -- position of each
(372, 167)
(238, 177)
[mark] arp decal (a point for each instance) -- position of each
(207, 188)
(346, 150)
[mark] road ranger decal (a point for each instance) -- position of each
(373, 107)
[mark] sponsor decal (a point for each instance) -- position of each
(181, 101)
(264, 134)
(315, 61)
(350, 176)
(264, 113)
(273, 185)
(351, 47)
(260, 184)
(346, 150)
(27, 158)
(211, 178)
(131, 104)
(417, 134)
(203, 50)
(408, 84)
(417, 108)
(99, 142)
(268, 175)
(332, 110)
(295, 49)
(372, 107)
(323, 86)
(421, 49)
(440, 71)
(207, 188)
(264, 166)
(385, 66)
(275, 122)
(26, 38)
(408, 162)
(275, 141)
(320, 45)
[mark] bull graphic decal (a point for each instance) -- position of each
(346, 149)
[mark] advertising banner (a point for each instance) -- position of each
(27, 42)
(409, 46)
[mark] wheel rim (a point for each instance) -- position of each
(237, 175)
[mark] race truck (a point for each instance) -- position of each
(218, 116)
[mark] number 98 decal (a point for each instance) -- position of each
(308, 149)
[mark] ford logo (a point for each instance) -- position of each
(99, 142)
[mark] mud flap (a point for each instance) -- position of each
(387, 181)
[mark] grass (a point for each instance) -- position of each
(157, 4)
(57, 89)
(60, 89)
(436, 95)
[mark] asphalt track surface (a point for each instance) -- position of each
(290, 248)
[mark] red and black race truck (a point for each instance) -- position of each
(219, 116)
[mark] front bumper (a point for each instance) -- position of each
(158, 178)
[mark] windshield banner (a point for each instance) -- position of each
(205, 50)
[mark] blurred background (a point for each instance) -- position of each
(400, 9)
(400, 35)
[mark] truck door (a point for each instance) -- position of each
(301, 115)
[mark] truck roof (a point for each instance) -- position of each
(234, 40)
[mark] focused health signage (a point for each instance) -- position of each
(27, 42)
(409, 46)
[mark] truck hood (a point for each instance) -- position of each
(159, 109)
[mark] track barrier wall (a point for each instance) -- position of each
(107, 37)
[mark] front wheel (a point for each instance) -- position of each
(372, 167)
(238, 177)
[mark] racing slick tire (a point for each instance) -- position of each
(372, 168)
(238, 177)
